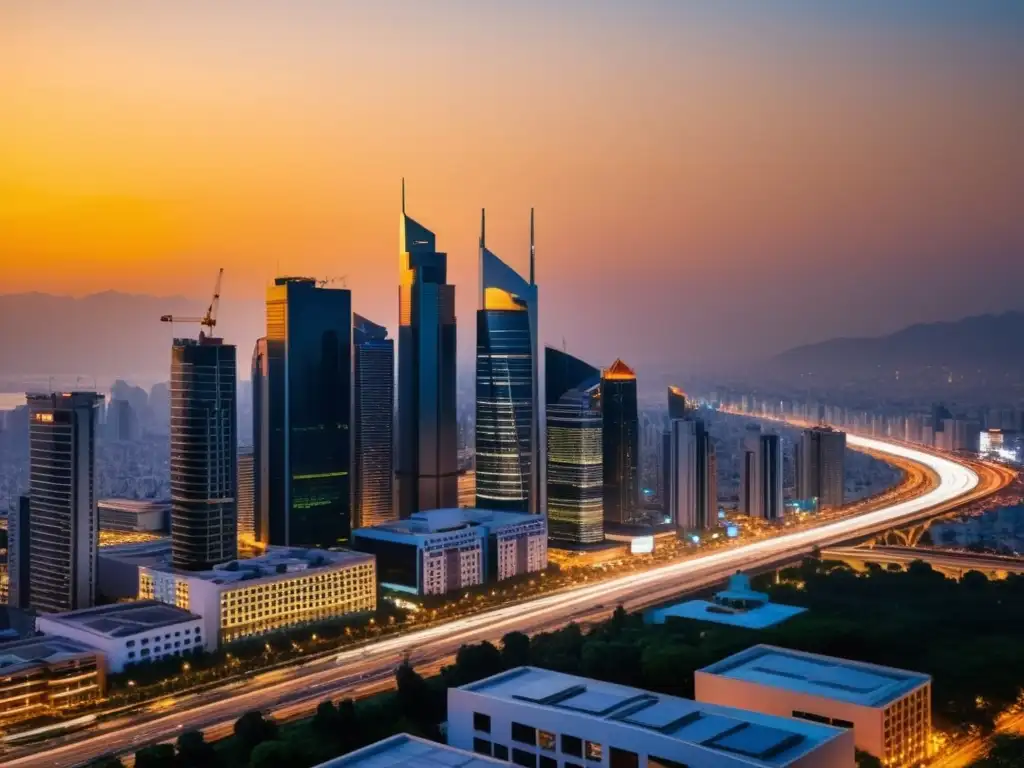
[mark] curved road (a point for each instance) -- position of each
(298, 689)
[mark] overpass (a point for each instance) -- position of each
(954, 564)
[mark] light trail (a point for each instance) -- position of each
(348, 671)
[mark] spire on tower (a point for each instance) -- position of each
(403, 194)
(532, 250)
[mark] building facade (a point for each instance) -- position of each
(821, 467)
(621, 443)
(538, 718)
(246, 495)
(64, 529)
(888, 710)
(308, 391)
(427, 462)
(19, 542)
(693, 500)
(204, 453)
(43, 676)
(134, 515)
(374, 419)
(771, 477)
(507, 460)
(259, 377)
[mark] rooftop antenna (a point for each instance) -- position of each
(532, 249)
(483, 228)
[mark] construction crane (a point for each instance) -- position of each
(209, 320)
(331, 280)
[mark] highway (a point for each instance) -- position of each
(954, 562)
(359, 671)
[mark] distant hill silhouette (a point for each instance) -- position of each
(988, 343)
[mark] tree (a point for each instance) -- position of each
(415, 699)
(252, 729)
(515, 650)
(105, 761)
(274, 754)
(1007, 752)
(194, 752)
(867, 760)
(155, 756)
(326, 720)
(475, 662)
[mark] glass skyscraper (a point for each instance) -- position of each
(620, 437)
(63, 523)
(246, 495)
(575, 467)
(260, 375)
(374, 398)
(427, 466)
(308, 391)
(507, 464)
(204, 453)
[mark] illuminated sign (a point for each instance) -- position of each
(46, 418)
(732, 531)
(642, 545)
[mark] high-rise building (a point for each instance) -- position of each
(428, 465)
(820, 467)
(374, 399)
(260, 373)
(678, 404)
(246, 495)
(19, 541)
(751, 501)
(507, 462)
(575, 451)
(308, 413)
(64, 529)
(771, 477)
(693, 504)
(204, 453)
(620, 438)
(678, 408)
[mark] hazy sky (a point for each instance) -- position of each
(710, 179)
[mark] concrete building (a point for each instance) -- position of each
(64, 530)
(285, 587)
(134, 515)
(761, 475)
(45, 675)
(131, 633)
(246, 495)
(119, 566)
(432, 553)
(889, 710)
(405, 751)
(542, 719)
(373, 469)
(821, 467)
(18, 542)
(736, 606)
(693, 487)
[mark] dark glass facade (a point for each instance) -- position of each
(260, 375)
(204, 453)
(620, 440)
(18, 543)
(246, 495)
(308, 413)
(374, 377)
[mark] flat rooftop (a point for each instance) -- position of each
(449, 520)
(405, 751)
(123, 619)
(854, 682)
(275, 561)
(136, 506)
(145, 553)
(766, 615)
(41, 649)
(764, 740)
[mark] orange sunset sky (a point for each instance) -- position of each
(693, 165)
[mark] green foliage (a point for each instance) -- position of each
(105, 761)
(252, 729)
(1007, 752)
(274, 754)
(867, 760)
(194, 752)
(515, 650)
(156, 756)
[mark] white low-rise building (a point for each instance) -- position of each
(131, 633)
(537, 718)
(284, 587)
(888, 709)
(445, 550)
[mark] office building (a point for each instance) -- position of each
(204, 453)
(888, 710)
(507, 389)
(538, 718)
(309, 406)
(374, 400)
(679, 406)
(134, 515)
(43, 676)
(130, 633)
(285, 587)
(575, 450)
(821, 467)
(771, 477)
(427, 466)
(467, 488)
(443, 550)
(693, 503)
(122, 421)
(761, 475)
(64, 530)
(19, 542)
(246, 495)
(620, 436)
(405, 751)
(259, 376)
(119, 566)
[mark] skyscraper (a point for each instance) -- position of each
(308, 410)
(820, 467)
(374, 418)
(693, 504)
(246, 495)
(678, 405)
(260, 376)
(678, 408)
(507, 462)
(575, 464)
(771, 477)
(204, 453)
(428, 465)
(19, 542)
(64, 529)
(751, 501)
(620, 439)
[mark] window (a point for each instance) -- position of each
(548, 762)
(524, 758)
(481, 746)
(501, 751)
(130, 644)
(811, 716)
(481, 722)
(593, 751)
(546, 740)
(572, 745)
(524, 734)
(838, 723)
(621, 758)
(131, 654)
(663, 762)
(572, 765)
